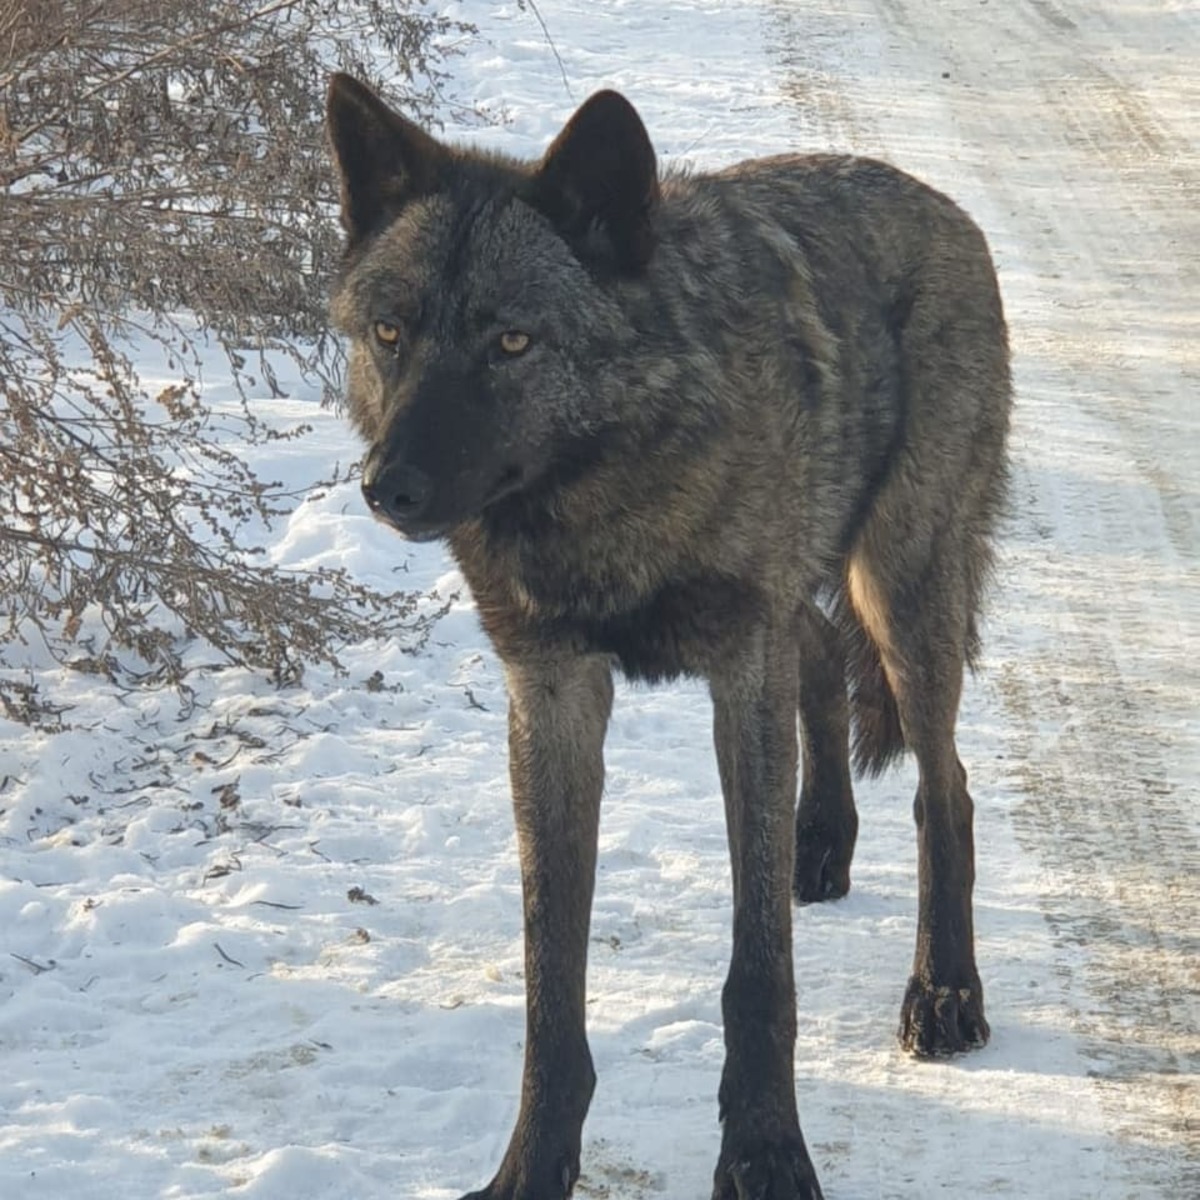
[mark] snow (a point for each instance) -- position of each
(266, 943)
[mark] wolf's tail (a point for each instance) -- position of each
(877, 739)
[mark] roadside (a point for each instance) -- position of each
(1069, 131)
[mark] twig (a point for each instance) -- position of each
(166, 52)
(233, 961)
(533, 8)
(36, 967)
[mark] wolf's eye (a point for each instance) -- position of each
(514, 342)
(387, 332)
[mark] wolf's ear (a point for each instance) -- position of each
(600, 174)
(384, 160)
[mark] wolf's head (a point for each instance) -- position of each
(479, 296)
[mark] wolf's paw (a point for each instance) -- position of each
(766, 1171)
(822, 869)
(553, 1182)
(936, 1022)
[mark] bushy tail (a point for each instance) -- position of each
(877, 739)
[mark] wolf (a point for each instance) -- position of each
(747, 426)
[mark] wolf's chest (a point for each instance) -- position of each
(681, 628)
(660, 613)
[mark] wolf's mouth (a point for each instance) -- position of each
(508, 482)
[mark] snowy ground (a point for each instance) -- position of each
(269, 946)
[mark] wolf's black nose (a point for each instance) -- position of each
(395, 491)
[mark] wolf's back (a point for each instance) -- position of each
(895, 304)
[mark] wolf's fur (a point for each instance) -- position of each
(667, 425)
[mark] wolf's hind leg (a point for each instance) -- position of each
(920, 620)
(826, 820)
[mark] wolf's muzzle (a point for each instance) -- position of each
(396, 492)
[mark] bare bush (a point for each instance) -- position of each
(164, 183)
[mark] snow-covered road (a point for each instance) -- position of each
(195, 1000)
(1075, 125)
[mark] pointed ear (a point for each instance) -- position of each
(384, 160)
(600, 174)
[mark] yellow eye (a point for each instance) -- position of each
(387, 333)
(513, 341)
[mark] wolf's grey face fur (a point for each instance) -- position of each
(471, 291)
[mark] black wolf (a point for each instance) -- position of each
(748, 426)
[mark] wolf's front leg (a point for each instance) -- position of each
(558, 713)
(763, 1156)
